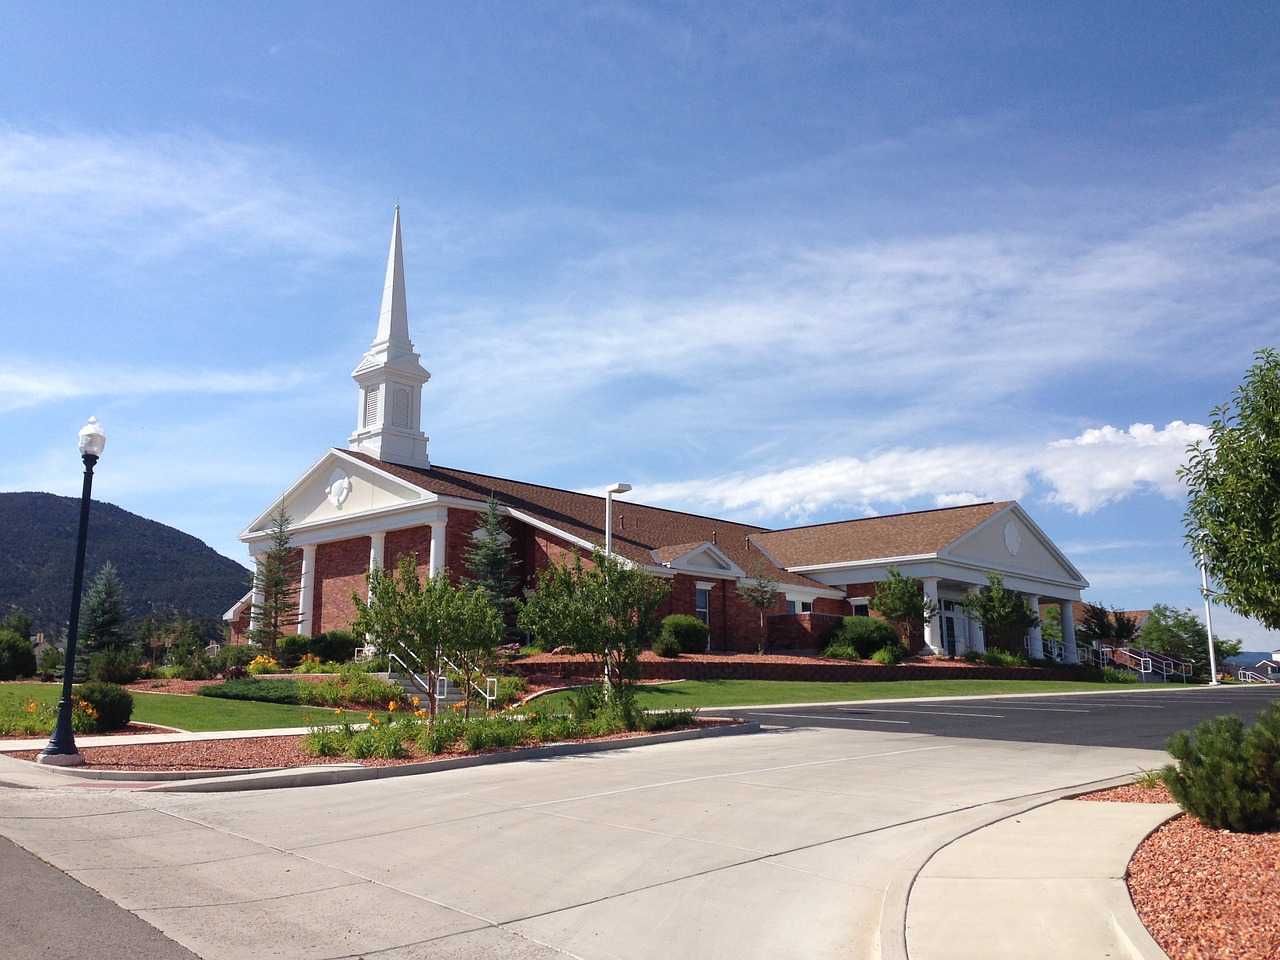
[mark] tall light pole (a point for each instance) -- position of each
(61, 750)
(1208, 617)
(608, 513)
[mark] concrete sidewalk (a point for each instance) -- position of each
(1047, 883)
(818, 843)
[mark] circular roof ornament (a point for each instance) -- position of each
(1012, 537)
(339, 488)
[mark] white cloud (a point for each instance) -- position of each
(1084, 473)
(26, 387)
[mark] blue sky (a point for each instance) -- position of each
(778, 262)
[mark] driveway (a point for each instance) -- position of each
(780, 844)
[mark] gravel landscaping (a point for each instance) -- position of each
(1202, 893)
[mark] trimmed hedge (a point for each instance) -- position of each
(250, 688)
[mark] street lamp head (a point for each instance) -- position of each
(92, 438)
(618, 488)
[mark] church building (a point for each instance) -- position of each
(366, 505)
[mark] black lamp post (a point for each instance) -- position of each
(61, 750)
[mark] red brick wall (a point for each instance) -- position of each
(402, 543)
(800, 631)
(340, 570)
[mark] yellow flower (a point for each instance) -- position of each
(416, 701)
(392, 706)
(420, 713)
(31, 706)
(338, 710)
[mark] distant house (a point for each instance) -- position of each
(381, 498)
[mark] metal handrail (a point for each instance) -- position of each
(490, 689)
(1250, 676)
(1126, 657)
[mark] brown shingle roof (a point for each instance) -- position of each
(640, 531)
(900, 535)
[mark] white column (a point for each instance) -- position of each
(307, 590)
(377, 544)
(255, 601)
(1069, 631)
(1035, 639)
(436, 563)
(932, 629)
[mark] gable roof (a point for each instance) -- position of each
(923, 533)
(642, 533)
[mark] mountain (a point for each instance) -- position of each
(163, 571)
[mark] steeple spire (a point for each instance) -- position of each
(393, 324)
(390, 377)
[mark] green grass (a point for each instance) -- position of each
(690, 694)
(196, 714)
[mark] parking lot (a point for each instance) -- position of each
(1142, 718)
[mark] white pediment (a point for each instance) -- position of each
(705, 558)
(1010, 542)
(338, 489)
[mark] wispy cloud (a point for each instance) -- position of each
(1083, 473)
(29, 386)
(151, 196)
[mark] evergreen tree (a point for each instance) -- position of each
(276, 585)
(19, 623)
(491, 562)
(104, 615)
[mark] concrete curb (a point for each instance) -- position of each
(208, 781)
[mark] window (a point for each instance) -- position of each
(702, 604)
(791, 606)
(862, 609)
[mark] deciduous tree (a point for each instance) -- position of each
(1004, 614)
(1181, 634)
(900, 599)
(760, 591)
(1233, 508)
(609, 610)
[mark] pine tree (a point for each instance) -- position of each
(104, 616)
(276, 586)
(490, 560)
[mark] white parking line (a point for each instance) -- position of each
(929, 713)
(810, 716)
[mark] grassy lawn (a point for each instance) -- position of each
(196, 714)
(688, 694)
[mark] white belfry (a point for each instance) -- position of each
(391, 375)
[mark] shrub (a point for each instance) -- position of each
(996, 657)
(687, 632)
(233, 655)
(510, 689)
(115, 666)
(1227, 775)
(443, 734)
(334, 646)
(841, 651)
(17, 658)
(666, 645)
(889, 655)
(665, 720)
(291, 648)
(1112, 675)
(197, 668)
(112, 702)
(264, 663)
(251, 688)
(491, 733)
(865, 635)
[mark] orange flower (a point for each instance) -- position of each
(392, 706)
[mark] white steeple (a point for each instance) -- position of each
(389, 420)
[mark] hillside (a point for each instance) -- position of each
(164, 571)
